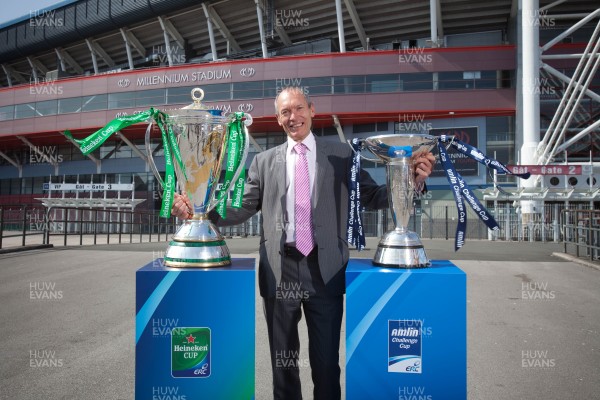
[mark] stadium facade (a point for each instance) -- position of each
(469, 68)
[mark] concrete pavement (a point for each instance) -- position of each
(533, 321)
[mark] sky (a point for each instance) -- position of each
(12, 9)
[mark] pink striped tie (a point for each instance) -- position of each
(303, 212)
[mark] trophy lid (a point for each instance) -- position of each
(385, 146)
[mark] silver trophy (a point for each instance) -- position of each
(400, 247)
(201, 136)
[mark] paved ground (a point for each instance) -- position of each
(523, 304)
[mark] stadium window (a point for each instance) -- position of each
(121, 100)
(7, 113)
(179, 95)
(416, 82)
(364, 128)
(383, 83)
(217, 92)
(248, 90)
(150, 98)
(489, 80)
(24, 111)
(72, 104)
(453, 80)
(48, 107)
(349, 84)
(94, 103)
(317, 85)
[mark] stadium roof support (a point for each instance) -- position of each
(14, 163)
(435, 15)
(11, 73)
(172, 31)
(34, 148)
(211, 34)
(340, 25)
(223, 29)
(577, 86)
(91, 157)
(360, 30)
(261, 29)
(338, 128)
(167, 41)
(134, 148)
(127, 48)
(63, 56)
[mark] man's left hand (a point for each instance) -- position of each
(423, 168)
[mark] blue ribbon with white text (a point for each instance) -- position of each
(461, 190)
(356, 235)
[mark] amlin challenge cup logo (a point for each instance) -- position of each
(405, 346)
(190, 352)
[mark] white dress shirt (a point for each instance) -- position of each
(290, 196)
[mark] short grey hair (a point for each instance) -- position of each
(292, 89)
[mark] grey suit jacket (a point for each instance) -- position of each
(265, 191)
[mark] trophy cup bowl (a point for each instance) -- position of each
(400, 247)
(201, 136)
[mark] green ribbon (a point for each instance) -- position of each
(96, 139)
(236, 141)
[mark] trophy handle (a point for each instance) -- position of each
(159, 178)
(376, 160)
(214, 201)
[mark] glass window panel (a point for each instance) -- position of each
(364, 128)
(318, 85)
(217, 92)
(150, 98)
(453, 80)
(95, 102)
(349, 84)
(487, 80)
(7, 113)
(24, 111)
(38, 184)
(69, 105)
(247, 90)
(48, 107)
(416, 82)
(121, 100)
(179, 95)
(383, 83)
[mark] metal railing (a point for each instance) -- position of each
(581, 236)
(22, 225)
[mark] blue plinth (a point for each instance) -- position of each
(406, 332)
(195, 332)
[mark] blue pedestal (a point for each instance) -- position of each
(195, 332)
(406, 332)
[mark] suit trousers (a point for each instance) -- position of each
(302, 287)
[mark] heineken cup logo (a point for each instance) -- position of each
(190, 352)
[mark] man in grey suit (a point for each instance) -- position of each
(308, 275)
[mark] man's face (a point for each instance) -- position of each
(294, 114)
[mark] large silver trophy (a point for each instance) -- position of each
(400, 247)
(201, 137)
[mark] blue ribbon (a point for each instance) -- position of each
(461, 190)
(355, 234)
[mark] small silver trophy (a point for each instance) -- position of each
(202, 139)
(400, 247)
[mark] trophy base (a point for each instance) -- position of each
(197, 244)
(401, 249)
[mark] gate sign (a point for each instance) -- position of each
(87, 187)
(546, 169)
